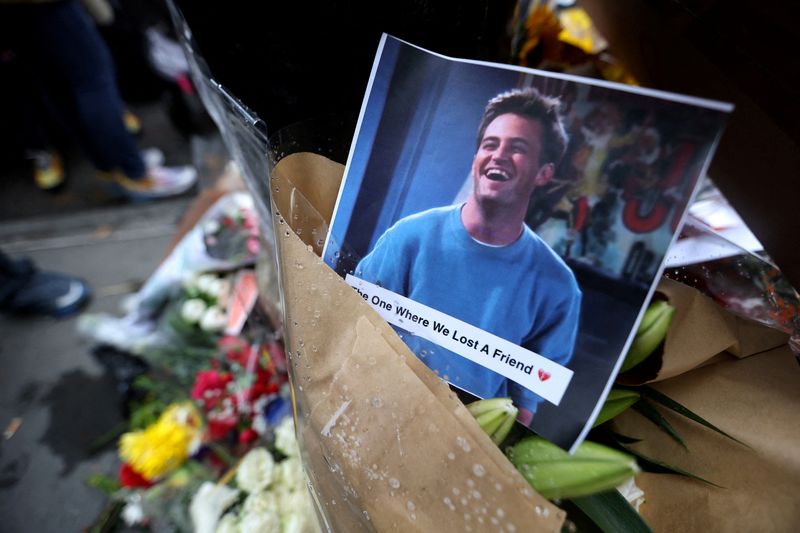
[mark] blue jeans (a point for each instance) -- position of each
(62, 48)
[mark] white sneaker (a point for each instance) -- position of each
(152, 157)
(160, 182)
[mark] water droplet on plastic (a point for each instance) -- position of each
(395, 484)
(451, 456)
(478, 470)
(410, 506)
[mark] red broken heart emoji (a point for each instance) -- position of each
(543, 376)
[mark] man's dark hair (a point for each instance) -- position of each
(530, 103)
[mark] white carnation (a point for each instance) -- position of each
(285, 439)
(193, 310)
(255, 471)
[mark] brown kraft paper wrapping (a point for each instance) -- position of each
(387, 445)
(701, 333)
(756, 401)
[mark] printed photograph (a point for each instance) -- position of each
(501, 206)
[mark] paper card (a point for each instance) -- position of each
(241, 302)
(528, 211)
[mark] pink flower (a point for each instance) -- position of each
(253, 245)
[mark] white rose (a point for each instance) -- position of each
(214, 319)
(285, 439)
(208, 504)
(203, 282)
(255, 471)
(289, 473)
(219, 289)
(193, 310)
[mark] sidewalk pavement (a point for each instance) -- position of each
(55, 397)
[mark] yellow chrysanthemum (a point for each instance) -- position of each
(163, 446)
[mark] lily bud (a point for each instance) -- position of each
(617, 401)
(495, 416)
(554, 473)
(652, 331)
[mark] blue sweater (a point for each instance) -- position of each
(522, 292)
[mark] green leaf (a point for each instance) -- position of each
(669, 403)
(618, 400)
(104, 483)
(651, 413)
(109, 518)
(612, 513)
(624, 439)
(101, 442)
(654, 466)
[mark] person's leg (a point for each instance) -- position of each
(63, 36)
(75, 63)
(25, 289)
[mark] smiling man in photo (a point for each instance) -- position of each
(479, 262)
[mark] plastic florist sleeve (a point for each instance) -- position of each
(386, 444)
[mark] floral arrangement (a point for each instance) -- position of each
(271, 494)
(233, 233)
(208, 408)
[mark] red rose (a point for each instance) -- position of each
(247, 436)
